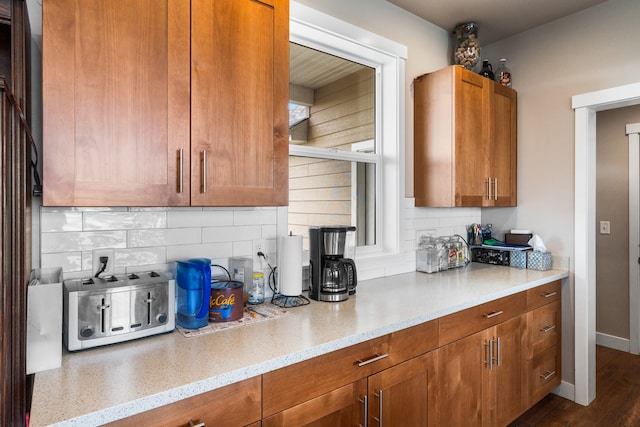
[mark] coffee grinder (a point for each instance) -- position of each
(333, 277)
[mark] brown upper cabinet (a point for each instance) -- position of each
(165, 103)
(464, 140)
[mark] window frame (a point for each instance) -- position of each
(319, 31)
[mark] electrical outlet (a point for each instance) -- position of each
(605, 227)
(111, 261)
(259, 246)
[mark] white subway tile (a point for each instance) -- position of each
(82, 241)
(246, 217)
(184, 236)
(205, 250)
(140, 256)
(231, 234)
(124, 220)
(269, 232)
(60, 221)
(199, 218)
(243, 248)
(69, 261)
(146, 238)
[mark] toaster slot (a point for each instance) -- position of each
(149, 306)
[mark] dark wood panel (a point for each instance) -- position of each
(15, 211)
(617, 400)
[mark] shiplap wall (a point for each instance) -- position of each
(342, 114)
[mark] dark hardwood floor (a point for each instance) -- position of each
(617, 400)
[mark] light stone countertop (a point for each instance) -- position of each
(109, 383)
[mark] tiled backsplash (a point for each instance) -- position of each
(145, 239)
(152, 238)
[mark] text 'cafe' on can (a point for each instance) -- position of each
(226, 303)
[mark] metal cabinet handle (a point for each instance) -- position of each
(379, 418)
(547, 375)
(489, 360)
(549, 294)
(548, 328)
(492, 314)
(192, 424)
(495, 194)
(180, 153)
(499, 352)
(204, 171)
(373, 359)
(488, 188)
(365, 401)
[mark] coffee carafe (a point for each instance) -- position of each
(333, 275)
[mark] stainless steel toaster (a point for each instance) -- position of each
(117, 308)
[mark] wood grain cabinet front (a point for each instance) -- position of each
(542, 368)
(235, 405)
(165, 103)
(376, 377)
(465, 140)
(478, 377)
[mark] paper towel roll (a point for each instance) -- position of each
(290, 265)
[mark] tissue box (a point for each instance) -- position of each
(518, 259)
(44, 320)
(539, 260)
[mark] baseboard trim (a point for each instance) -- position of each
(566, 390)
(613, 342)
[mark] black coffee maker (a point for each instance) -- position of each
(333, 277)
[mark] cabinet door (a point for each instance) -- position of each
(115, 102)
(506, 382)
(460, 377)
(343, 407)
(503, 146)
(471, 104)
(402, 395)
(239, 120)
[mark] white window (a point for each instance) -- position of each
(366, 164)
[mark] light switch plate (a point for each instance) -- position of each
(605, 227)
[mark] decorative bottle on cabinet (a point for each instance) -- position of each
(503, 74)
(487, 70)
(467, 52)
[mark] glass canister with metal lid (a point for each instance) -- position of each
(427, 255)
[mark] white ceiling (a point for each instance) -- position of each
(496, 19)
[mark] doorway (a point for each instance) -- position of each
(633, 133)
(585, 107)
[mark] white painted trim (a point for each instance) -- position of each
(607, 99)
(634, 238)
(613, 342)
(342, 29)
(584, 278)
(333, 154)
(585, 106)
(566, 390)
(323, 32)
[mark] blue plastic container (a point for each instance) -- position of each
(193, 290)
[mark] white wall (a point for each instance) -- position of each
(587, 51)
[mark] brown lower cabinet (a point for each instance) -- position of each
(483, 366)
(234, 405)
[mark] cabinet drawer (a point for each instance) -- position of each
(234, 405)
(544, 374)
(543, 328)
(543, 294)
(302, 381)
(474, 319)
